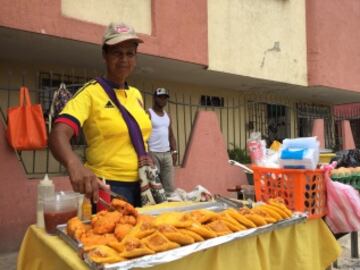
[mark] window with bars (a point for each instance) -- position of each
(50, 82)
(307, 113)
(212, 101)
(272, 120)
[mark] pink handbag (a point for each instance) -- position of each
(343, 204)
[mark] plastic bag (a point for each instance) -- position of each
(343, 204)
(347, 158)
(256, 148)
(198, 194)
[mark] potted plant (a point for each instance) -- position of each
(240, 155)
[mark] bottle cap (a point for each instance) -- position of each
(46, 180)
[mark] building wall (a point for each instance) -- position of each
(334, 43)
(53, 18)
(134, 12)
(260, 39)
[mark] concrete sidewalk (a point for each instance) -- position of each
(345, 262)
(8, 261)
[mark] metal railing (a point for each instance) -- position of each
(237, 118)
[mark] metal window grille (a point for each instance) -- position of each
(271, 120)
(307, 113)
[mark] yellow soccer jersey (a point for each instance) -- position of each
(109, 151)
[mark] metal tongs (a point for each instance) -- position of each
(242, 166)
(113, 195)
(228, 201)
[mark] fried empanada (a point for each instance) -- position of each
(202, 230)
(255, 218)
(197, 237)
(105, 222)
(173, 234)
(261, 212)
(128, 219)
(131, 247)
(104, 254)
(158, 242)
(147, 218)
(179, 220)
(219, 227)
(90, 238)
(123, 207)
(234, 227)
(226, 216)
(121, 230)
(76, 228)
(142, 229)
(203, 215)
(241, 218)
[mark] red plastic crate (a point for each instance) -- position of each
(302, 190)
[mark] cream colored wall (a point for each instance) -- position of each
(134, 12)
(257, 38)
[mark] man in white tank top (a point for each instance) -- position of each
(162, 143)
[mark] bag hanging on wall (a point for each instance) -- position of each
(26, 125)
(60, 98)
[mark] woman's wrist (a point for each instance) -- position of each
(174, 152)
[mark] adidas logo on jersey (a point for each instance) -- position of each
(109, 105)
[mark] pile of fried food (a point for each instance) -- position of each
(123, 234)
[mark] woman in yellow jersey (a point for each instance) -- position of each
(110, 153)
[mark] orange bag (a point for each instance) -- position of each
(26, 125)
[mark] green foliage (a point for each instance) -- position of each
(239, 155)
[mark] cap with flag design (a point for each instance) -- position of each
(119, 32)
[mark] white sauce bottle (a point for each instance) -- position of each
(45, 189)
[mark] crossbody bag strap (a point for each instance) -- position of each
(133, 126)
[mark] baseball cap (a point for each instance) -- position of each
(119, 32)
(161, 92)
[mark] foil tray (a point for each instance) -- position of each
(178, 253)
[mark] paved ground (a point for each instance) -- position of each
(345, 262)
(8, 261)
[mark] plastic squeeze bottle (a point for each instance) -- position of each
(45, 189)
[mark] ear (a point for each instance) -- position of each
(103, 54)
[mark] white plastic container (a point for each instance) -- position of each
(59, 208)
(45, 189)
(301, 153)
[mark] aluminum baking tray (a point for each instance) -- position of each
(178, 253)
(216, 206)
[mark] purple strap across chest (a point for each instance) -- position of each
(133, 126)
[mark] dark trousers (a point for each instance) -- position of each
(130, 190)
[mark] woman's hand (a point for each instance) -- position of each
(83, 180)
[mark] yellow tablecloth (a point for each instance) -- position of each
(308, 245)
